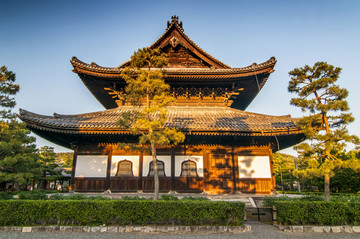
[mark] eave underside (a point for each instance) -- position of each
(246, 89)
(277, 142)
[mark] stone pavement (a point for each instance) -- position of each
(259, 230)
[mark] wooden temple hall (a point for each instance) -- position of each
(226, 149)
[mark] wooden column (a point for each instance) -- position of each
(236, 170)
(108, 170)
(172, 152)
(140, 184)
(205, 168)
(273, 182)
(234, 189)
(73, 169)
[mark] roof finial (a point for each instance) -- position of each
(174, 20)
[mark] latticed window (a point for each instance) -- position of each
(188, 169)
(124, 168)
(161, 169)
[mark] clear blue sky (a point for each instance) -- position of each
(38, 39)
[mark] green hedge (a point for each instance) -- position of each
(317, 213)
(120, 212)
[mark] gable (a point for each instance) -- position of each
(179, 56)
(182, 51)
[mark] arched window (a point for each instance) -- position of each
(188, 169)
(161, 169)
(124, 168)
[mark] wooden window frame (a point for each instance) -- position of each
(182, 169)
(152, 163)
(118, 167)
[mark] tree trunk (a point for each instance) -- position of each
(281, 179)
(44, 182)
(32, 184)
(327, 187)
(297, 178)
(156, 174)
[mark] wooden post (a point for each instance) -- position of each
(141, 162)
(245, 217)
(273, 182)
(172, 169)
(73, 169)
(108, 170)
(234, 189)
(274, 215)
(205, 168)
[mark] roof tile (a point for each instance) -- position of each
(185, 118)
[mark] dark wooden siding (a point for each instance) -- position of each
(124, 184)
(164, 183)
(90, 184)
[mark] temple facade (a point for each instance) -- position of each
(226, 149)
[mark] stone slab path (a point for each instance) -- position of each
(259, 230)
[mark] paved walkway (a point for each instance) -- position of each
(259, 230)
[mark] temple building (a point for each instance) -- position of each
(226, 149)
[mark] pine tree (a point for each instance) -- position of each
(147, 91)
(325, 126)
(18, 157)
(284, 167)
(8, 89)
(49, 166)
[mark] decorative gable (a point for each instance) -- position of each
(182, 51)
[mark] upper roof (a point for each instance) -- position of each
(189, 67)
(93, 69)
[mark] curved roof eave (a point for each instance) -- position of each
(190, 120)
(108, 72)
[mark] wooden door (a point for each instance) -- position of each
(220, 173)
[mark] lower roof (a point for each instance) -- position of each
(194, 120)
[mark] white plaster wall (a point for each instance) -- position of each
(182, 158)
(254, 167)
(115, 159)
(165, 158)
(91, 166)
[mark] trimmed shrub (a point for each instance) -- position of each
(57, 197)
(168, 197)
(317, 213)
(132, 198)
(32, 195)
(98, 197)
(190, 198)
(5, 196)
(76, 197)
(120, 212)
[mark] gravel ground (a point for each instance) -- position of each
(259, 230)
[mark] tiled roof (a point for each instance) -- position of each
(231, 72)
(173, 26)
(212, 120)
